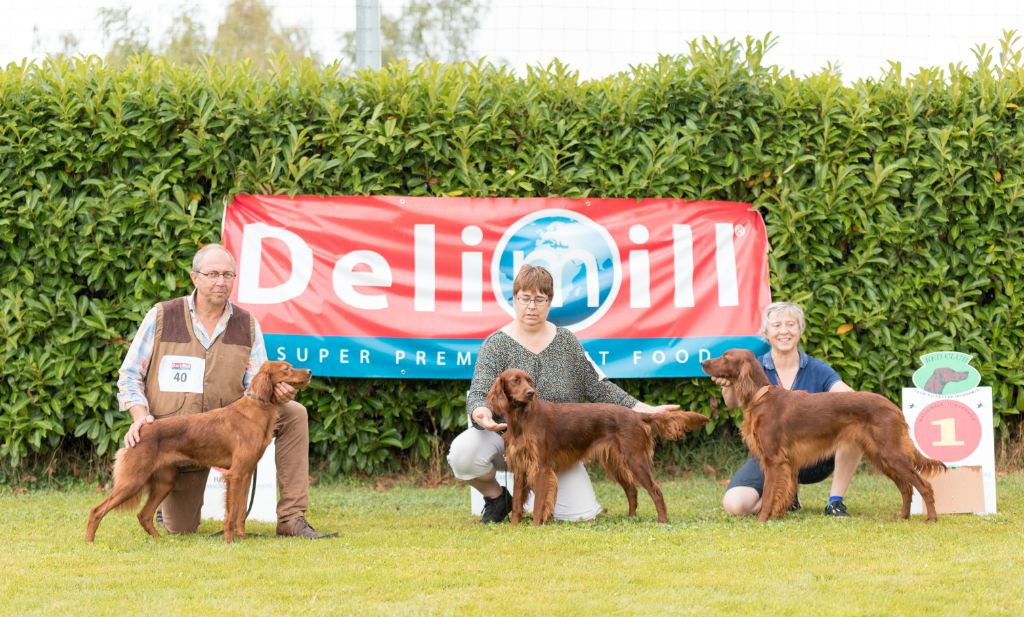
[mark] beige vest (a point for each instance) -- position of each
(226, 360)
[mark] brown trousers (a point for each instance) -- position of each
(182, 507)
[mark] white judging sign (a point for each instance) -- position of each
(957, 430)
(181, 374)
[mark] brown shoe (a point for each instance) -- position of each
(299, 528)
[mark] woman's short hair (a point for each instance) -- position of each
(534, 278)
(782, 307)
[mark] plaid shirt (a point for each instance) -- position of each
(131, 383)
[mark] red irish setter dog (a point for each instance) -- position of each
(788, 430)
(232, 437)
(545, 438)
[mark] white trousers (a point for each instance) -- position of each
(475, 453)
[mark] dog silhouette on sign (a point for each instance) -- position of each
(941, 377)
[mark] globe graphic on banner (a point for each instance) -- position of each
(581, 256)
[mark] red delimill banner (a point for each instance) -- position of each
(410, 286)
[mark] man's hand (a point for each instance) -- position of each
(643, 407)
(283, 393)
(485, 419)
(133, 437)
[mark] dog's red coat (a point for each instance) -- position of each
(232, 437)
(545, 438)
(788, 430)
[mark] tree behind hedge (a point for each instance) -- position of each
(892, 207)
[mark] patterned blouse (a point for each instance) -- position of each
(561, 372)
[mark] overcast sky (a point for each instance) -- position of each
(599, 37)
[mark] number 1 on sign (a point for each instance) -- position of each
(947, 432)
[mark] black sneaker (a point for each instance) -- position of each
(836, 508)
(796, 505)
(496, 509)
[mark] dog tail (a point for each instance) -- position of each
(672, 425)
(120, 465)
(927, 466)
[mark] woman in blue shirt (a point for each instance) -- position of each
(782, 324)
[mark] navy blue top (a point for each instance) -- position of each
(813, 375)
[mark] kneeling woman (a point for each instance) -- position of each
(782, 324)
(554, 358)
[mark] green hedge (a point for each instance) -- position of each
(893, 207)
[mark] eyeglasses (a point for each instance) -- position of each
(213, 275)
(535, 300)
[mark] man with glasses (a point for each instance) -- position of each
(198, 353)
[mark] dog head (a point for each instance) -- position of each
(512, 391)
(273, 373)
(741, 368)
(730, 364)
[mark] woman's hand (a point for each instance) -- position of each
(727, 394)
(722, 381)
(485, 420)
(645, 408)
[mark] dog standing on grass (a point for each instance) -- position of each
(232, 437)
(545, 438)
(787, 430)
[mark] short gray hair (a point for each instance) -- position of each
(203, 252)
(782, 307)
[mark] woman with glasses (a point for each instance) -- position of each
(554, 358)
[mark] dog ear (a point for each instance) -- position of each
(262, 387)
(497, 400)
(743, 386)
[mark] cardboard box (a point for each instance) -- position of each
(959, 490)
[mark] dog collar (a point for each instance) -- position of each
(761, 392)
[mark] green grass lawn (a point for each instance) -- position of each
(410, 550)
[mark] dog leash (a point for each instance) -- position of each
(248, 510)
(252, 493)
(506, 472)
